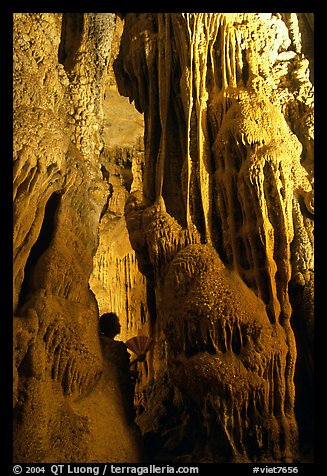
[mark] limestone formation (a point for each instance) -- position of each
(67, 408)
(163, 170)
(238, 87)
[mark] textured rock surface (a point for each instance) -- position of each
(238, 170)
(199, 234)
(67, 404)
(116, 280)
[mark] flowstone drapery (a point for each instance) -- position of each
(225, 175)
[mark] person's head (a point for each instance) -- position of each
(109, 324)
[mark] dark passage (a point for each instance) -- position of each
(304, 378)
(41, 244)
(71, 38)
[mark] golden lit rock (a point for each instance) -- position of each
(163, 171)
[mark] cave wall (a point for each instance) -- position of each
(194, 226)
(66, 403)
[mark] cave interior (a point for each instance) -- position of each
(163, 172)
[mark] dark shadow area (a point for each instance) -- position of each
(42, 243)
(304, 378)
(71, 38)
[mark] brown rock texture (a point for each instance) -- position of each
(67, 404)
(228, 105)
(189, 213)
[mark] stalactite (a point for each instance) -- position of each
(203, 312)
(269, 171)
(119, 287)
(213, 258)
